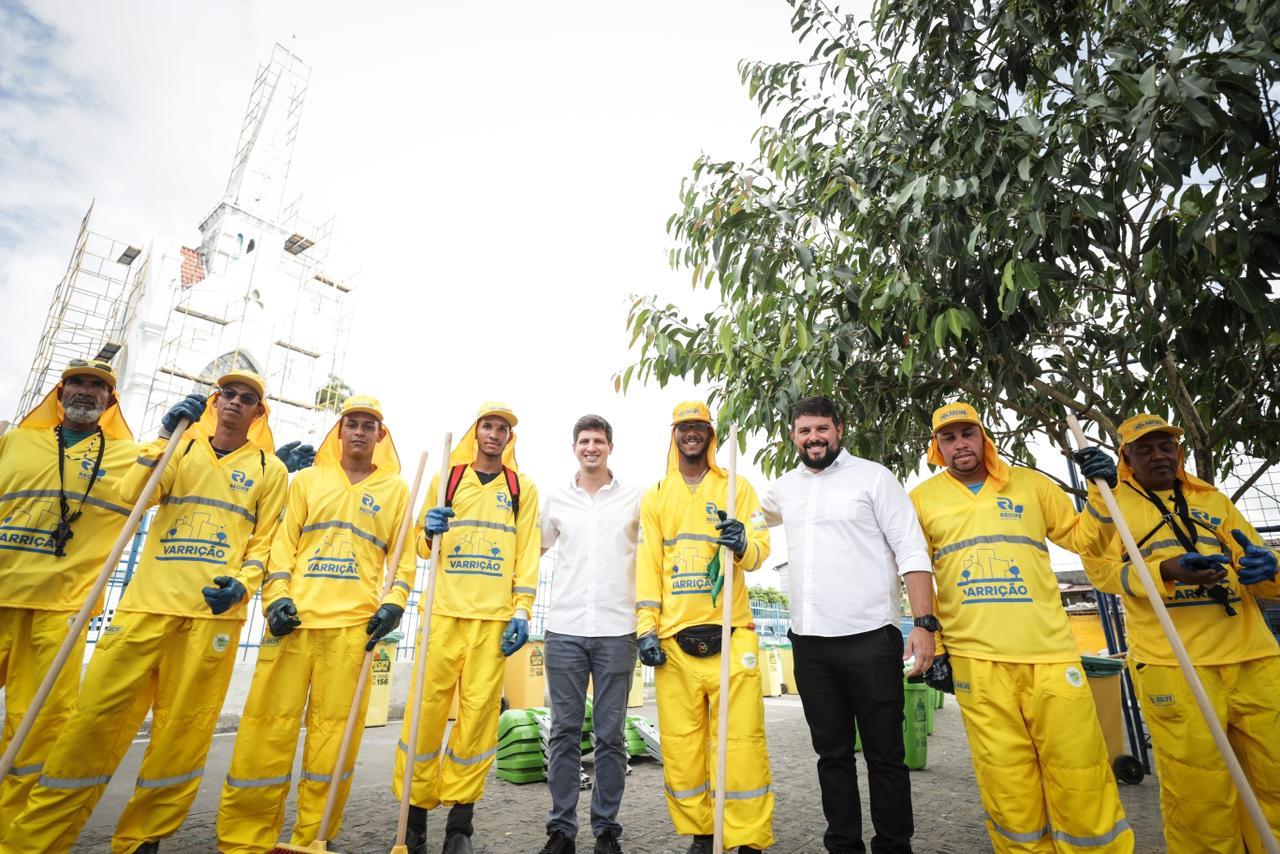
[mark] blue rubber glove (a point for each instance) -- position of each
(190, 407)
(1258, 563)
(516, 635)
(732, 534)
(282, 617)
(1096, 464)
(296, 456)
(437, 521)
(382, 623)
(651, 654)
(227, 593)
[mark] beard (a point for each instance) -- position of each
(83, 413)
(698, 456)
(825, 460)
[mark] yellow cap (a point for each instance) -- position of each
(953, 413)
(362, 403)
(90, 368)
(1138, 426)
(690, 410)
(493, 407)
(249, 378)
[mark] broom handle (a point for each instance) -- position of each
(420, 665)
(1180, 652)
(348, 732)
(726, 638)
(82, 618)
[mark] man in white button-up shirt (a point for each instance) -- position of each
(852, 539)
(591, 633)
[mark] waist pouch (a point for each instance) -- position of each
(700, 641)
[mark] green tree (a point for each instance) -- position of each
(331, 395)
(1031, 205)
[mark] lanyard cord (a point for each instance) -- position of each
(1186, 537)
(65, 517)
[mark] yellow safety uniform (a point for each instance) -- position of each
(488, 571)
(1038, 752)
(328, 556)
(1236, 658)
(164, 651)
(673, 592)
(40, 593)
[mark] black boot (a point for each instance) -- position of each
(458, 829)
(148, 848)
(701, 844)
(415, 837)
(747, 849)
(607, 843)
(558, 843)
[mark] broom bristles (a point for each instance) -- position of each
(286, 848)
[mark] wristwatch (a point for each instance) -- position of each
(929, 622)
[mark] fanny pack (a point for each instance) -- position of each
(700, 641)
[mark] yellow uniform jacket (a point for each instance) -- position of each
(30, 575)
(998, 597)
(1210, 635)
(677, 530)
(216, 517)
(488, 558)
(330, 553)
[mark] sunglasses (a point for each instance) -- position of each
(248, 398)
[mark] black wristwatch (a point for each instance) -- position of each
(928, 621)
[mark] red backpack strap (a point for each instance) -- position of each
(513, 486)
(451, 488)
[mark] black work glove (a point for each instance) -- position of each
(732, 534)
(282, 617)
(382, 623)
(938, 676)
(227, 593)
(1095, 464)
(651, 654)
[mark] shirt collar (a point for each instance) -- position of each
(612, 484)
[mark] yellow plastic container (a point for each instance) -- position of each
(525, 683)
(771, 671)
(1086, 627)
(384, 656)
(788, 669)
(635, 698)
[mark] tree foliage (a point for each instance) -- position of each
(331, 395)
(1031, 205)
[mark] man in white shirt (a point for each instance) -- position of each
(852, 535)
(591, 633)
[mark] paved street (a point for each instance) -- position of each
(510, 818)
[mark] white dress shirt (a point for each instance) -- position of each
(593, 588)
(851, 532)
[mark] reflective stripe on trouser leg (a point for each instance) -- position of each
(473, 742)
(118, 688)
(194, 673)
(335, 667)
(29, 641)
(447, 646)
(251, 810)
(1197, 797)
(1004, 759)
(748, 808)
(681, 695)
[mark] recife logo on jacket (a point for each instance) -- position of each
(240, 482)
(195, 537)
(368, 505)
(86, 470)
(504, 502)
(1009, 510)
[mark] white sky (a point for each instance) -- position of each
(501, 181)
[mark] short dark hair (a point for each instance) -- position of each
(817, 405)
(593, 422)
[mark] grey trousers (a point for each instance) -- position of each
(610, 663)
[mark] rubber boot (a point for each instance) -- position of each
(415, 837)
(458, 829)
(701, 844)
(148, 848)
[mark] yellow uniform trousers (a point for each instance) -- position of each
(465, 655)
(311, 669)
(688, 693)
(177, 667)
(1201, 810)
(29, 641)
(1040, 758)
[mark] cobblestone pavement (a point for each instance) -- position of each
(510, 818)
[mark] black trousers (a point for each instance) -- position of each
(843, 681)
